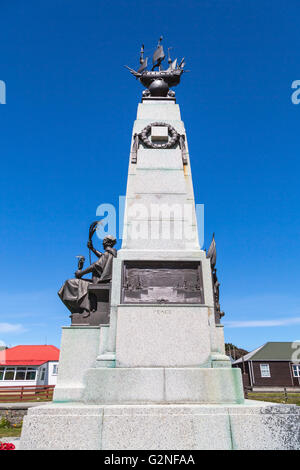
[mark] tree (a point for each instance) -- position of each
(234, 351)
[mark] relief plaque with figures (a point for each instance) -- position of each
(162, 282)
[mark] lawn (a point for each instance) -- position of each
(14, 399)
(292, 398)
(10, 432)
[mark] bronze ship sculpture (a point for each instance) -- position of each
(158, 82)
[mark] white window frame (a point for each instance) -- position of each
(43, 374)
(55, 369)
(26, 369)
(265, 370)
(9, 369)
(296, 370)
(21, 369)
(31, 369)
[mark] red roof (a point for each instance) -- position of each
(28, 355)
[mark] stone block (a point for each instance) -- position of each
(254, 425)
(158, 182)
(162, 336)
(62, 428)
(164, 159)
(158, 111)
(265, 427)
(202, 385)
(124, 385)
(78, 352)
(165, 427)
(205, 385)
(159, 134)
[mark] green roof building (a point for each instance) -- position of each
(272, 366)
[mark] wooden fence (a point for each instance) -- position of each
(283, 396)
(26, 393)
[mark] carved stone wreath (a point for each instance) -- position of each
(144, 135)
(173, 134)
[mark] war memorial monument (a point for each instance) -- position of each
(143, 364)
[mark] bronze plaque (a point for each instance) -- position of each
(162, 282)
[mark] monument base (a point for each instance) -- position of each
(160, 385)
(253, 425)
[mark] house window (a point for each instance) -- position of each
(55, 369)
(265, 370)
(9, 373)
(21, 373)
(17, 373)
(296, 370)
(43, 374)
(30, 374)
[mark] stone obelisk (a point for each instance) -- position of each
(156, 376)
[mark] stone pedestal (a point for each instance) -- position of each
(78, 350)
(162, 385)
(99, 296)
(252, 426)
(157, 376)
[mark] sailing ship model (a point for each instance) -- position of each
(158, 82)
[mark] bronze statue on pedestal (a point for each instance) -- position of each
(78, 294)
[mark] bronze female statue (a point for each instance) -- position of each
(74, 293)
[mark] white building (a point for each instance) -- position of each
(29, 365)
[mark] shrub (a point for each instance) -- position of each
(4, 423)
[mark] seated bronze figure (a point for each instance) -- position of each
(75, 292)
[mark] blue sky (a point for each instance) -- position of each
(65, 134)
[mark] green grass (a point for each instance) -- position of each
(293, 398)
(9, 399)
(10, 432)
